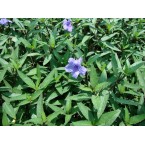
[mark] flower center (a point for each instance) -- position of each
(76, 68)
(68, 23)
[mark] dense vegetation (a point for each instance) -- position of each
(106, 88)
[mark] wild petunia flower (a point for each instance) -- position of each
(74, 67)
(5, 21)
(67, 25)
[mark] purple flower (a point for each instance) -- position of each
(5, 21)
(67, 25)
(74, 67)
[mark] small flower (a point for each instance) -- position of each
(74, 67)
(67, 25)
(5, 21)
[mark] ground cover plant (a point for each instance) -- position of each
(72, 72)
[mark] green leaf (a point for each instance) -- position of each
(80, 97)
(59, 88)
(38, 76)
(7, 84)
(109, 45)
(103, 77)
(5, 121)
(22, 60)
(136, 119)
(127, 115)
(82, 123)
(116, 64)
(52, 95)
(19, 23)
(93, 76)
(36, 94)
(8, 108)
(52, 40)
(2, 74)
(47, 80)
(85, 39)
(108, 118)
(132, 86)
(141, 106)
(57, 55)
(67, 118)
(101, 86)
(32, 72)
(141, 79)
(26, 79)
(85, 111)
(92, 59)
(100, 102)
(54, 108)
(33, 54)
(121, 124)
(26, 43)
(24, 102)
(53, 116)
(104, 38)
(82, 87)
(37, 121)
(124, 101)
(70, 45)
(18, 97)
(3, 39)
(68, 105)
(14, 63)
(3, 62)
(40, 107)
(135, 66)
(47, 59)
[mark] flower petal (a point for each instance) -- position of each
(75, 74)
(71, 60)
(65, 27)
(79, 61)
(69, 28)
(65, 24)
(4, 21)
(82, 70)
(69, 20)
(69, 68)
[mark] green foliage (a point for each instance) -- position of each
(100, 102)
(36, 90)
(93, 77)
